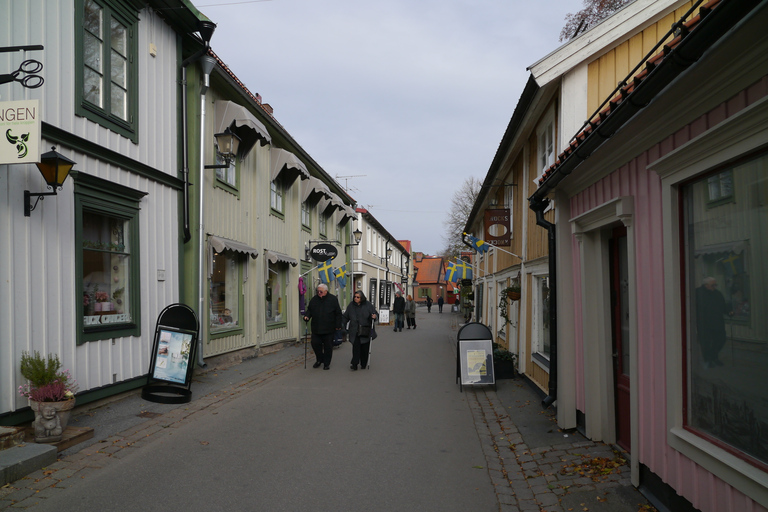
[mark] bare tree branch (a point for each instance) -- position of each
(461, 206)
(594, 12)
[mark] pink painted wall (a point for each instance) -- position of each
(705, 491)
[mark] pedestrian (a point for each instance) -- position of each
(398, 308)
(710, 321)
(410, 311)
(359, 312)
(429, 304)
(325, 313)
(440, 303)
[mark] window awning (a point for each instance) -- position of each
(278, 257)
(243, 123)
(736, 247)
(330, 203)
(287, 165)
(347, 213)
(314, 189)
(221, 244)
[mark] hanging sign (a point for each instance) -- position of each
(497, 228)
(323, 252)
(20, 123)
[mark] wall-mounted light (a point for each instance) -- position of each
(358, 236)
(228, 144)
(55, 168)
(386, 258)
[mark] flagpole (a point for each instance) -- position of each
(310, 270)
(506, 251)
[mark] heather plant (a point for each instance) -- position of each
(47, 382)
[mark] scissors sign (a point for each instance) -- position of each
(25, 75)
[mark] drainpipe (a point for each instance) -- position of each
(538, 207)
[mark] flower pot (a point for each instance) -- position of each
(504, 369)
(51, 419)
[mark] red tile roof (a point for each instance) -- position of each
(430, 270)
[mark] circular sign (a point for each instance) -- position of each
(323, 252)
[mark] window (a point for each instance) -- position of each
(368, 238)
(720, 188)
(338, 233)
(726, 280)
(545, 138)
(275, 293)
(107, 258)
(323, 221)
(225, 292)
(226, 175)
(541, 318)
(106, 64)
(306, 215)
(276, 196)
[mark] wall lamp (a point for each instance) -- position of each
(386, 258)
(358, 236)
(228, 144)
(55, 168)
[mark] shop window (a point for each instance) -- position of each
(541, 318)
(226, 296)
(227, 177)
(726, 279)
(107, 259)
(276, 293)
(106, 63)
(323, 224)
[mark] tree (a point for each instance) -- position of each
(594, 11)
(461, 206)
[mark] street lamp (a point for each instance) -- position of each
(55, 168)
(228, 143)
(358, 236)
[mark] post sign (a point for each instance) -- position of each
(172, 356)
(20, 123)
(323, 252)
(474, 355)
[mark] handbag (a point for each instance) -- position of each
(364, 331)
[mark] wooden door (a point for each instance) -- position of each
(619, 280)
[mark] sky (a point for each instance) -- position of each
(400, 100)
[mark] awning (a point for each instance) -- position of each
(278, 257)
(736, 247)
(243, 123)
(314, 189)
(347, 213)
(287, 165)
(330, 203)
(221, 244)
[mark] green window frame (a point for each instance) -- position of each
(225, 312)
(276, 197)
(106, 65)
(322, 220)
(276, 301)
(119, 205)
(306, 216)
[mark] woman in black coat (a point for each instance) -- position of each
(359, 312)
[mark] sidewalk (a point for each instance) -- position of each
(424, 453)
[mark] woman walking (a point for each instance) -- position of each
(410, 312)
(359, 312)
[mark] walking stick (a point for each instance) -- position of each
(370, 342)
(306, 335)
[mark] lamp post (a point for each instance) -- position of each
(358, 235)
(385, 259)
(55, 168)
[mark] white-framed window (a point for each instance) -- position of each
(225, 288)
(276, 196)
(306, 215)
(276, 294)
(368, 238)
(540, 332)
(703, 418)
(509, 202)
(323, 223)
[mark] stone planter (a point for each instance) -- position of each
(504, 369)
(51, 419)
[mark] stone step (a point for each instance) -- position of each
(10, 437)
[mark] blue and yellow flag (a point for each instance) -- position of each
(326, 272)
(478, 245)
(458, 271)
(341, 275)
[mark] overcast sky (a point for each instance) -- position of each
(409, 96)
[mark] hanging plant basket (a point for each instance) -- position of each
(513, 295)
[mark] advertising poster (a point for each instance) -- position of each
(172, 358)
(20, 123)
(476, 362)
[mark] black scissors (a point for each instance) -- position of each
(28, 68)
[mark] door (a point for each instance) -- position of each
(619, 280)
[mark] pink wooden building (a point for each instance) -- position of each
(662, 257)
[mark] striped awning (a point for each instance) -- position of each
(245, 125)
(287, 166)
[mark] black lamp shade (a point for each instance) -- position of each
(358, 235)
(228, 143)
(55, 168)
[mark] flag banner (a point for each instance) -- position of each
(479, 245)
(458, 271)
(326, 272)
(341, 275)
(450, 272)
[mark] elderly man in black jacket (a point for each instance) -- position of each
(325, 313)
(398, 308)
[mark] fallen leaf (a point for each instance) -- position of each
(203, 442)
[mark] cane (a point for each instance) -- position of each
(370, 342)
(306, 335)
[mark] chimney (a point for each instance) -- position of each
(267, 107)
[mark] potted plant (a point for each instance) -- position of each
(511, 292)
(51, 394)
(504, 362)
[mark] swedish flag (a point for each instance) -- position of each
(341, 275)
(479, 245)
(458, 271)
(326, 272)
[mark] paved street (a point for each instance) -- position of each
(271, 435)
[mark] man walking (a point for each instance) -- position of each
(325, 313)
(440, 303)
(398, 308)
